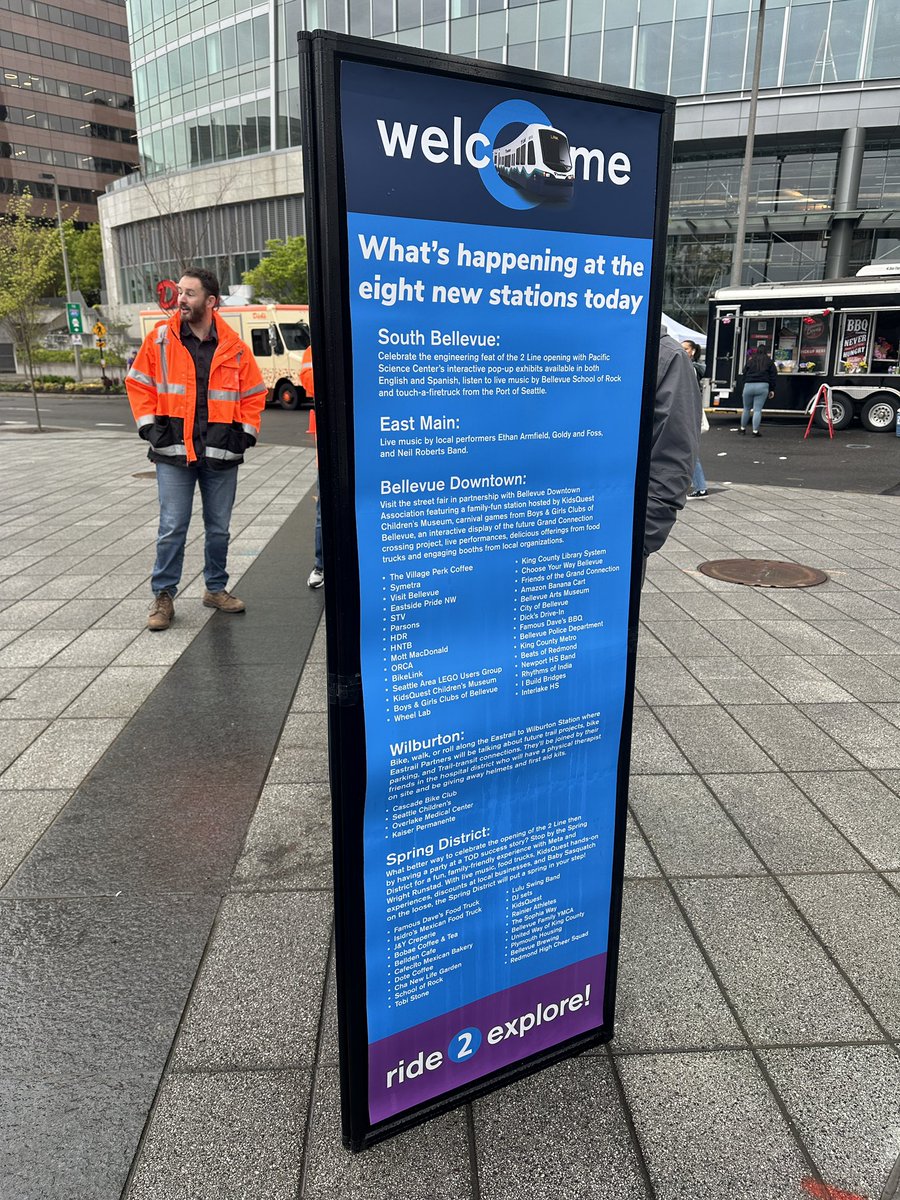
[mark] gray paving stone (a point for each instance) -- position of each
(312, 693)
(649, 646)
(150, 649)
(16, 736)
(665, 681)
(639, 862)
(889, 663)
(652, 750)
(32, 649)
(62, 755)
(76, 615)
(858, 637)
(64, 587)
(94, 648)
(778, 978)
(10, 679)
(843, 1100)
(860, 679)
(659, 609)
(48, 691)
(709, 1127)
(786, 830)
(729, 680)
(746, 639)
(26, 614)
(23, 818)
(871, 739)
(800, 638)
(70, 1135)
(707, 608)
(119, 585)
(797, 680)
(17, 587)
(791, 739)
(116, 692)
(295, 764)
(858, 919)
(561, 1133)
(666, 997)
(257, 1001)
(303, 730)
(690, 639)
(225, 1136)
(687, 828)
(862, 807)
(427, 1163)
(712, 740)
(288, 843)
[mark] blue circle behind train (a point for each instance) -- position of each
(510, 112)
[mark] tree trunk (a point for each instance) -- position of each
(37, 411)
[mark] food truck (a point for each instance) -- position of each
(844, 333)
(277, 334)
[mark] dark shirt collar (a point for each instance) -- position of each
(186, 332)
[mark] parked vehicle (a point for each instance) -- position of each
(276, 333)
(844, 333)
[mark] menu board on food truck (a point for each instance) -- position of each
(487, 320)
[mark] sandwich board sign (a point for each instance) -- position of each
(485, 248)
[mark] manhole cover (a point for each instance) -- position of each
(144, 475)
(762, 572)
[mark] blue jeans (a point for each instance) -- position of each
(176, 497)
(699, 477)
(755, 396)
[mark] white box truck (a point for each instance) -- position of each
(277, 334)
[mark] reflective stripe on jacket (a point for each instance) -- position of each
(162, 391)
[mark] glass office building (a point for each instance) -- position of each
(216, 94)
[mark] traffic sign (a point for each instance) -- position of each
(99, 330)
(75, 317)
(76, 339)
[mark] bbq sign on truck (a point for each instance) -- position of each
(485, 323)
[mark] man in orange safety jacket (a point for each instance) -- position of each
(196, 394)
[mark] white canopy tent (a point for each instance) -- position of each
(682, 333)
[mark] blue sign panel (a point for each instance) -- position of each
(499, 250)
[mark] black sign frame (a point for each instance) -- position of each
(321, 54)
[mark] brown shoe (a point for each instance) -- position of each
(223, 601)
(162, 614)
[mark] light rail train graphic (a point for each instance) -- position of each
(538, 161)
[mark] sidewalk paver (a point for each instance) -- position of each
(758, 1009)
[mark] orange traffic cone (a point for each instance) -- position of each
(312, 420)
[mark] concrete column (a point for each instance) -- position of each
(846, 203)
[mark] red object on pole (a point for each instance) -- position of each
(824, 395)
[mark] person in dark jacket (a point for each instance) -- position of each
(675, 441)
(698, 491)
(760, 376)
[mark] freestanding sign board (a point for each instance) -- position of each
(485, 249)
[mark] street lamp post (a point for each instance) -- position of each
(737, 261)
(65, 258)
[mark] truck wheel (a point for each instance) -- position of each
(288, 396)
(841, 411)
(879, 412)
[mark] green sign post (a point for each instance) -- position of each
(76, 320)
